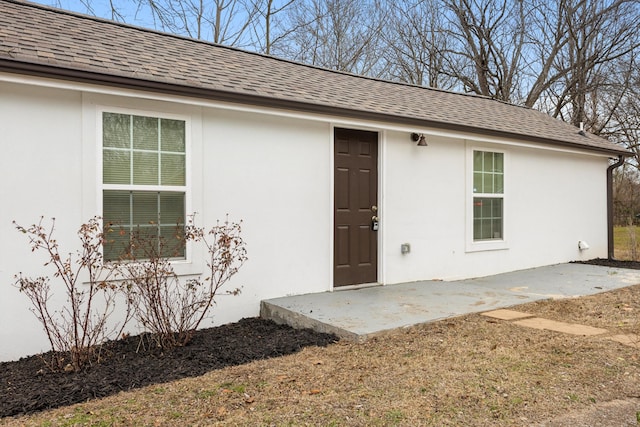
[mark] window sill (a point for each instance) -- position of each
(490, 245)
(181, 267)
(187, 268)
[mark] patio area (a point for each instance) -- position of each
(359, 314)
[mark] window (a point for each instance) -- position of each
(488, 196)
(144, 180)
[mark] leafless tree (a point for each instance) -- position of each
(415, 44)
(267, 29)
(220, 21)
(626, 195)
(600, 37)
(546, 54)
(485, 51)
(252, 24)
(113, 10)
(342, 35)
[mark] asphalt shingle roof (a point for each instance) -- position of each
(45, 41)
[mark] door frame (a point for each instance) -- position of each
(381, 179)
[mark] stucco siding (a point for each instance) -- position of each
(559, 198)
(552, 200)
(274, 174)
(41, 176)
(424, 205)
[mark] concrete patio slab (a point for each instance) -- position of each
(504, 314)
(361, 313)
(567, 328)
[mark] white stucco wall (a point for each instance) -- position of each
(424, 205)
(274, 170)
(40, 136)
(552, 200)
(272, 173)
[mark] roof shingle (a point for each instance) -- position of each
(56, 42)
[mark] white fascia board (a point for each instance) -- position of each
(336, 121)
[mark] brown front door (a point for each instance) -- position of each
(355, 204)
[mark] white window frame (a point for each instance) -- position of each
(493, 244)
(183, 265)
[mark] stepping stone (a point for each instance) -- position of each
(567, 328)
(632, 340)
(503, 314)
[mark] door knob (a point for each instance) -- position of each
(374, 208)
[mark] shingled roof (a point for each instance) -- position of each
(43, 41)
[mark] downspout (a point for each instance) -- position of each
(610, 169)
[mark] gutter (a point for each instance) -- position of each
(610, 169)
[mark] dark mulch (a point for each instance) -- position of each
(612, 263)
(28, 386)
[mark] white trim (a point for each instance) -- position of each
(331, 204)
(382, 179)
(485, 245)
(335, 120)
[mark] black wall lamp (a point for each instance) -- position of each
(422, 141)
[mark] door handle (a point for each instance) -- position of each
(374, 223)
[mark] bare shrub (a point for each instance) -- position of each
(77, 327)
(170, 307)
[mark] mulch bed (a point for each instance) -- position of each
(612, 263)
(28, 386)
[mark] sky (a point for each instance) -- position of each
(102, 9)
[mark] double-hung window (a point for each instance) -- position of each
(143, 180)
(488, 196)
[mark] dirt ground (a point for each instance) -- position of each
(469, 370)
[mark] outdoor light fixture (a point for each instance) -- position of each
(422, 141)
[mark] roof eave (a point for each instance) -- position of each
(84, 76)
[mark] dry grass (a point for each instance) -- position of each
(470, 370)
(626, 242)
